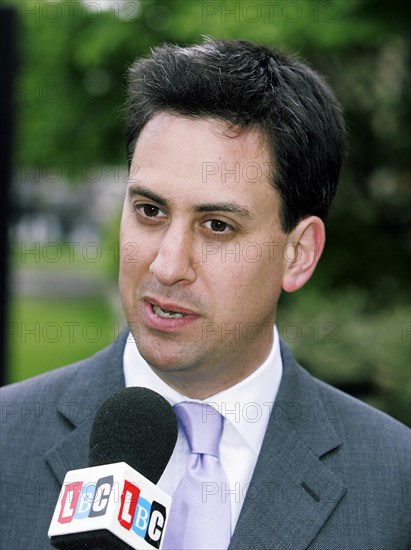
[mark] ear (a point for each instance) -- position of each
(302, 251)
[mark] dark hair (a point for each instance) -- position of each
(250, 86)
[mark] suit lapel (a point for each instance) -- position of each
(292, 492)
(93, 382)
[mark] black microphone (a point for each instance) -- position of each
(114, 504)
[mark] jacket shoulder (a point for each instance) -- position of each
(57, 381)
(68, 391)
(54, 381)
(357, 419)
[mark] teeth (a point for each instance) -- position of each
(167, 314)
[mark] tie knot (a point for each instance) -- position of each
(202, 426)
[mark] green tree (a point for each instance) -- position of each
(70, 96)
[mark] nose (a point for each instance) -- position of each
(173, 262)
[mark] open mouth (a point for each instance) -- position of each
(165, 314)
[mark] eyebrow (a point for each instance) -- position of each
(231, 207)
(136, 190)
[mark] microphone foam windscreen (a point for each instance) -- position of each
(137, 426)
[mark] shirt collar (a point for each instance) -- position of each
(246, 406)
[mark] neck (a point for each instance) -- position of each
(203, 382)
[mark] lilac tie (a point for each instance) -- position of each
(200, 512)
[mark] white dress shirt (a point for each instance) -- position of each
(245, 406)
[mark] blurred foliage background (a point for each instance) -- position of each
(351, 325)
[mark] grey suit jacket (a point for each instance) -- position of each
(332, 473)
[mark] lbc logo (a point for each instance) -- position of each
(146, 519)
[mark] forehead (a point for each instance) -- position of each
(199, 160)
(199, 140)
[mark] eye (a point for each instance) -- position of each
(150, 210)
(218, 226)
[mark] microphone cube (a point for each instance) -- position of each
(110, 506)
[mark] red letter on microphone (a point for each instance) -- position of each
(69, 501)
(129, 498)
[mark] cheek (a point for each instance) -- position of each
(251, 283)
(135, 251)
(128, 255)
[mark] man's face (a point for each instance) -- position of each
(202, 253)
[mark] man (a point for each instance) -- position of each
(234, 154)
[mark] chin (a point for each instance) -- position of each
(163, 357)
